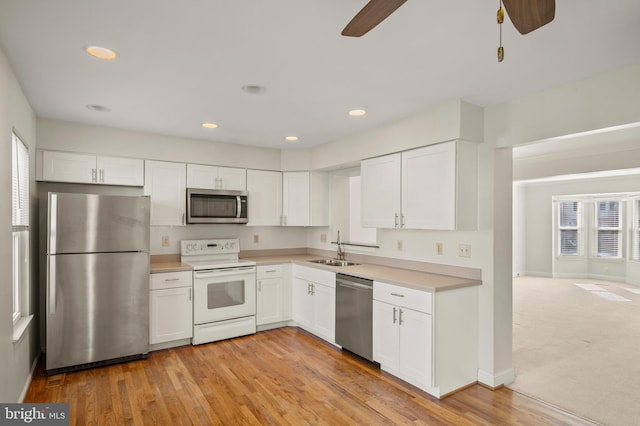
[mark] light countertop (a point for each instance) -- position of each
(404, 277)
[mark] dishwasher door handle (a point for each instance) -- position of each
(353, 285)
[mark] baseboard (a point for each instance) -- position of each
(29, 378)
(495, 381)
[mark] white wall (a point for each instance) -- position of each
(17, 358)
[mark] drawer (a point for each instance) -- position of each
(410, 298)
(162, 280)
(269, 271)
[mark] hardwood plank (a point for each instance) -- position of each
(282, 376)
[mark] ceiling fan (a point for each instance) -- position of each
(526, 15)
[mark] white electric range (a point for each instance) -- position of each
(224, 289)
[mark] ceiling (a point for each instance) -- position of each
(184, 63)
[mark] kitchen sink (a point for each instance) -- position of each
(333, 262)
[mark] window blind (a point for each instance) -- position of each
(20, 184)
(608, 232)
(569, 218)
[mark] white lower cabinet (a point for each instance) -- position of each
(426, 339)
(170, 307)
(273, 301)
(314, 301)
(402, 337)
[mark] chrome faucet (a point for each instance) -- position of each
(340, 251)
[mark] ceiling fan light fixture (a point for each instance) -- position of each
(357, 112)
(100, 52)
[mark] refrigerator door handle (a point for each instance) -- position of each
(53, 222)
(51, 276)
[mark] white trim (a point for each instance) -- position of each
(503, 378)
(20, 327)
(28, 381)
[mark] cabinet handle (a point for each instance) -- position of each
(101, 175)
(260, 286)
(396, 220)
(271, 270)
(394, 314)
(183, 222)
(190, 293)
(313, 289)
(402, 221)
(308, 288)
(397, 295)
(94, 177)
(169, 280)
(400, 317)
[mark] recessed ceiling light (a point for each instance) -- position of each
(254, 89)
(210, 125)
(101, 52)
(292, 138)
(99, 108)
(357, 112)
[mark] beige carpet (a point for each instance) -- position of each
(578, 347)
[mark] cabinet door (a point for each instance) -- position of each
(429, 187)
(295, 198)
(170, 315)
(232, 179)
(202, 176)
(320, 199)
(302, 303)
(120, 171)
(68, 167)
(416, 346)
(386, 346)
(164, 182)
(380, 179)
(270, 299)
(265, 197)
(324, 311)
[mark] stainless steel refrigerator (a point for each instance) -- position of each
(97, 280)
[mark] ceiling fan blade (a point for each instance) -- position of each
(529, 15)
(371, 15)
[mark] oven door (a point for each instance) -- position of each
(221, 294)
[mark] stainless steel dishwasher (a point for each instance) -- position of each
(354, 315)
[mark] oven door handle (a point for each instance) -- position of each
(224, 272)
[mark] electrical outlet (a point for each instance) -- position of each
(439, 249)
(464, 250)
(166, 241)
(399, 245)
(323, 238)
(256, 238)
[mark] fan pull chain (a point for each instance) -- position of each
(500, 19)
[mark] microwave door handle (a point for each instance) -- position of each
(238, 206)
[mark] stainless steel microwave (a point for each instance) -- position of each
(216, 206)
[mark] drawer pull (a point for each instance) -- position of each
(271, 271)
(397, 295)
(170, 280)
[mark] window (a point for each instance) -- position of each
(357, 233)
(569, 228)
(20, 224)
(608, 228)
(635, 231)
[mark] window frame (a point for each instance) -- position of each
(20, 217)
(578, 228)
(634, 229)
(598, 229)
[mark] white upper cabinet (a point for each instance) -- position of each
(305, 199)
(380, 180)
(426, 188)
(213, 177)
(265, 197)
(165, 184)
(85, 168)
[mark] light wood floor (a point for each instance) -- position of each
(283, 376)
